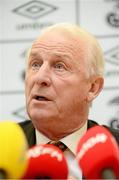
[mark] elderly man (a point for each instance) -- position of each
(64, 75)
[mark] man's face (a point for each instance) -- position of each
(56, 83)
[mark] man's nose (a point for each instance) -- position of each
(42, 77)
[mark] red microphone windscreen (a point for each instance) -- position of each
(96, 151)
(46, 161)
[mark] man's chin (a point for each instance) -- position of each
(40, 115)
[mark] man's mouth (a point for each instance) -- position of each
(41, 98)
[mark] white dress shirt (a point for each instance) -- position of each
(71, 141)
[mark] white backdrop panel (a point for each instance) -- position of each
(21, 22)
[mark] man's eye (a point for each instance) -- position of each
(35, 66)
(59, 66)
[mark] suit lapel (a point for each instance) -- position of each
(29, 131)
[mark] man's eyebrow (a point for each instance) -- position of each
(33, 55)
(68, 57)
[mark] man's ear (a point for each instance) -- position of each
(95, 88)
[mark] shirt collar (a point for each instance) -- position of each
(70, 141)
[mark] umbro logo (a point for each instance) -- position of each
(34, 9)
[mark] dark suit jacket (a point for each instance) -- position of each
(29, 131)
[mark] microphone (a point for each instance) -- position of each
(46, 162)
(13, 149)
(98, 154)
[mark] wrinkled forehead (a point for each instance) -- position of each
(61, 41)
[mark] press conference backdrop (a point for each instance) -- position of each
(21, 22)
